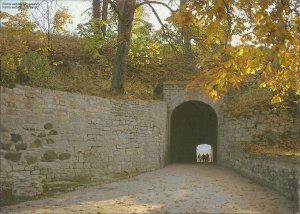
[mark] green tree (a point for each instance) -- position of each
(20, 61)
(61, 19)
(124, 11)
(51, 19)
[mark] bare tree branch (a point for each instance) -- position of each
(104, 16)
(155, 2)
(85, 11)
(114, 6)
(163, 28)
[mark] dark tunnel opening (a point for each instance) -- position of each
(192, 123)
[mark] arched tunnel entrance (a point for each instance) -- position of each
(192, 123)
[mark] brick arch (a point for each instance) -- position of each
(175, 95)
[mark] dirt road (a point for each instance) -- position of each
(178, 188)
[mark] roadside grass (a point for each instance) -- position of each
(52, 189)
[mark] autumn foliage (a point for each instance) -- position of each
(244, 42)
(83, 64)
(236, 45)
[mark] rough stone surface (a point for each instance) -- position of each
(102, 136)
(48, 126)
(42, 134)
(20, 146)
(50, 141)
(5, 146)
(64, 156)
(174, 94)
(49, 156)
(178, 188)
(36, 143)
(299, 194)
(107, 137)
(281, 174)
(53, 132)
(27, 185)
(13, 156)
(2, 128)
(15, 137)
(31, 159)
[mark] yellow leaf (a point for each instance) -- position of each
(263, 85)
(213, 93)
(240, 52)
(276, 99)
(227, 64)
(250, 71)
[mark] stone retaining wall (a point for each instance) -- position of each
(280, 173)
(61, 135)
(58, 135)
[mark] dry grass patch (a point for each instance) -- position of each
(287, 148)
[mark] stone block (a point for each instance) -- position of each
(17, 167)
(87, 165)
(44, 171)
(13, 156)
(36, 143)
(24, 185)
(48, 126)
(50, 141)
(49, 156)
(20, 146)
(64, 156)
(15, 137)
(35, 172)
(19, 91)
(42, 134)
(53, 132)
(78, 165)
(5, 146)
(31, 160)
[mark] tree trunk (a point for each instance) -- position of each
(96, 9)
(187, 47)
(104, 16)
(48, 27)
(125, 21)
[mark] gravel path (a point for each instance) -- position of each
(177, 188)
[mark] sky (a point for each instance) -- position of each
(204, 148)
(77, 8)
